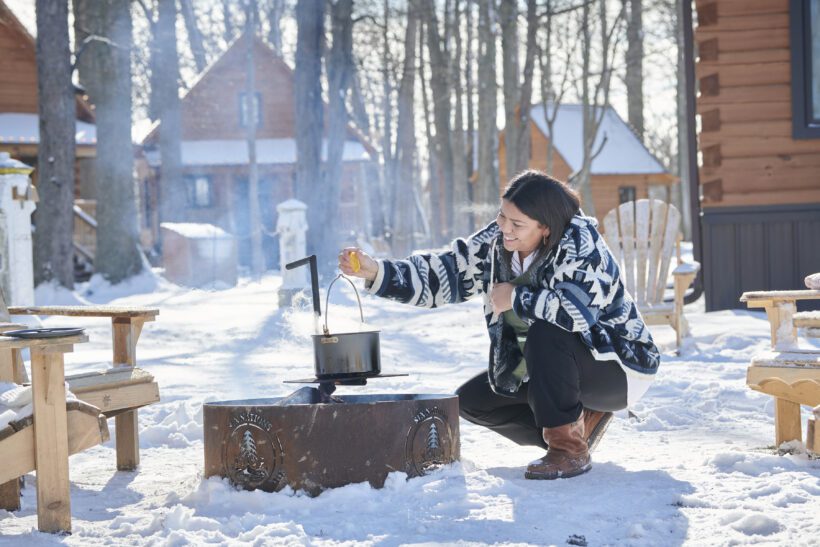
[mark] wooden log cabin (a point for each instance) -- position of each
(623, 171)
(215, 157)
(757, 69)
(19, 118)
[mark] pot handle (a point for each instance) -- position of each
(327, 299)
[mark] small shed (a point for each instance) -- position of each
(198, 255)
(623, 171)
(215, 112)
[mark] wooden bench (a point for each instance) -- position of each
(810, 321)
(43, 441)
(121, 390)
(788, 373)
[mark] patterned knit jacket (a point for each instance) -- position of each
(579, 289)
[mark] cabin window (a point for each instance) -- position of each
(804, 17)
(200, 191)
(250, 111)
(626, 194)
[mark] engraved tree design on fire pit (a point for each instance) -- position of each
(248, 464)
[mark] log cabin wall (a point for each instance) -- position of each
(760, 187)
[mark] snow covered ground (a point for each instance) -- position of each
(697, 467)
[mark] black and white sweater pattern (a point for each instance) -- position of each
(578, 289)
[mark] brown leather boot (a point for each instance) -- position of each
(595, 424)
(567, 455)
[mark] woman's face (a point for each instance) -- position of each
(521, 233)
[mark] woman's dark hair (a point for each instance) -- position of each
(545, 199)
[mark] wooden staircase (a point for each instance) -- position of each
(85, 238)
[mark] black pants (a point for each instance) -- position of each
(564, 378)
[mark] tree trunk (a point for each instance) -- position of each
(194, 35)
(433, 178)
(683, 199)
(227, 21)
(255, 218)
(105, 70)
(439, 83)
(339, 74)
(54, 216)
(276, 12)
(634, 65)
(461, 197)
(310, 15)
(471, 130)
(508, 19)
(487, 191)
(406, 141)
(522, 159)
(173, 199)
(388, 175)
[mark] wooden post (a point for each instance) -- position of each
(786, 421)
(9, 491)
(126, 332)
(783, 332)
(51, 439)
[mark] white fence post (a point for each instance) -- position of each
(292, 228)
(17, 202)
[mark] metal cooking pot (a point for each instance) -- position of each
(340, 355)
(348, 354)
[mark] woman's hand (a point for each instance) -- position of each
(367, 267)
(501, 297)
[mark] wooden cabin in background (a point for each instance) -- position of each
(19, 116)
(623, 171)
(758, 77)
(215, 112)
(20, 122)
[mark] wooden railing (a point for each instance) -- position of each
(85, 229)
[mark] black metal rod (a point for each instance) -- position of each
(314, 279)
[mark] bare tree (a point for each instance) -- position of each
(403, 241)
(251, 108)
(310, 15)
(595, 88)
(275, 14)
(194, 34)
(173, 200)
(53, 245)
(440, 85)
(553, 91)
(517, 92)
(104, 32)
(340, 69)
(461, 197)
(487, 190)
(634, 64)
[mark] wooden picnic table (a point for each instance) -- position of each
(126, 326)
(50, 426)
(788, 373)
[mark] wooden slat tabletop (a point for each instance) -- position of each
(9, 342)
(779, 295)
(86, 311)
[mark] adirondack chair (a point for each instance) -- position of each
(643, 235)
(43, 440)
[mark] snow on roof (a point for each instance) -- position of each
(623, 152)
(24, 11)
(268, 151)
(194, 230)
(25, 128)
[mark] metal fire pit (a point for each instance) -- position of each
(311, 440)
